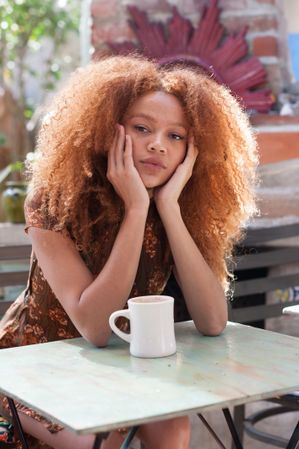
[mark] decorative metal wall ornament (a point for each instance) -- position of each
(224, 56)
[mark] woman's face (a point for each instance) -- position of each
(159, 131)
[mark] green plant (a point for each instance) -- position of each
(24, 27)
(17, 168)
(10, 169)
(2, 139)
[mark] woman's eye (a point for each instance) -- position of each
(175, 136)
(141, 129)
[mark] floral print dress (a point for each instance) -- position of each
(37, 316)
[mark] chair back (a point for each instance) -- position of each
(266, 261)
(14, 267)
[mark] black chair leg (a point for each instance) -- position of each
(294, 440)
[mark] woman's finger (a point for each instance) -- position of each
(119, 148)
(111, 152)
(128, 154)
(192, 152)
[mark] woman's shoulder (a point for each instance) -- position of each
(34, 198)
(34, 209)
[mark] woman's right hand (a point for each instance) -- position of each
(123, 175)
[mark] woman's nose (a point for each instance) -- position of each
(156, 146)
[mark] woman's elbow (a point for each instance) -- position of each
(215, 330)
(212, 329)
(100, 339)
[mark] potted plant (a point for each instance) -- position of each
(14, 193)
(15, 188)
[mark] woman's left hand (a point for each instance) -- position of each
(169, 193)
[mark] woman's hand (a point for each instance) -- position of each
(123, 175)
(169, 193)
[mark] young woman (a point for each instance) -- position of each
(141, 172)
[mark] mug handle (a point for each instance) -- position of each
(116, 330)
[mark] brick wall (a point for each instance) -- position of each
(266, 36)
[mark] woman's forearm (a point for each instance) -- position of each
(90, 300)
(203, 293)
(111, 288)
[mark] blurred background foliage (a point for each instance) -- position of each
(27, 27)
(38, 49)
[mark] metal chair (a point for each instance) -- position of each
(262, 250)
(11, 274)
(286, 404)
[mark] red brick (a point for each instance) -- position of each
(278, 146)
(110, 32)
(265, 46)
(189, 7)
(256, 23)
(103, 9)
(275, 119)
(151, 6)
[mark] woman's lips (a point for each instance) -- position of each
(154, 164)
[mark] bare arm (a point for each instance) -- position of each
(203, 293)
(88, 301)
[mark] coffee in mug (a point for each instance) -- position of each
(151, 326)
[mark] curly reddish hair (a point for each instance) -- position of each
(77, 132)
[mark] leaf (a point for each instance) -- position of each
(5, 173)
(15, 167)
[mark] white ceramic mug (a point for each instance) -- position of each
(151, 324)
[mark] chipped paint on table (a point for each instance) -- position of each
(89, 389)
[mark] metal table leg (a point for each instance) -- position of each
(17, 423)
(98, 440)
(125, 445)
(16, 420)
(232, 428)
(211, 430)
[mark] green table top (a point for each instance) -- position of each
(89, 389)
